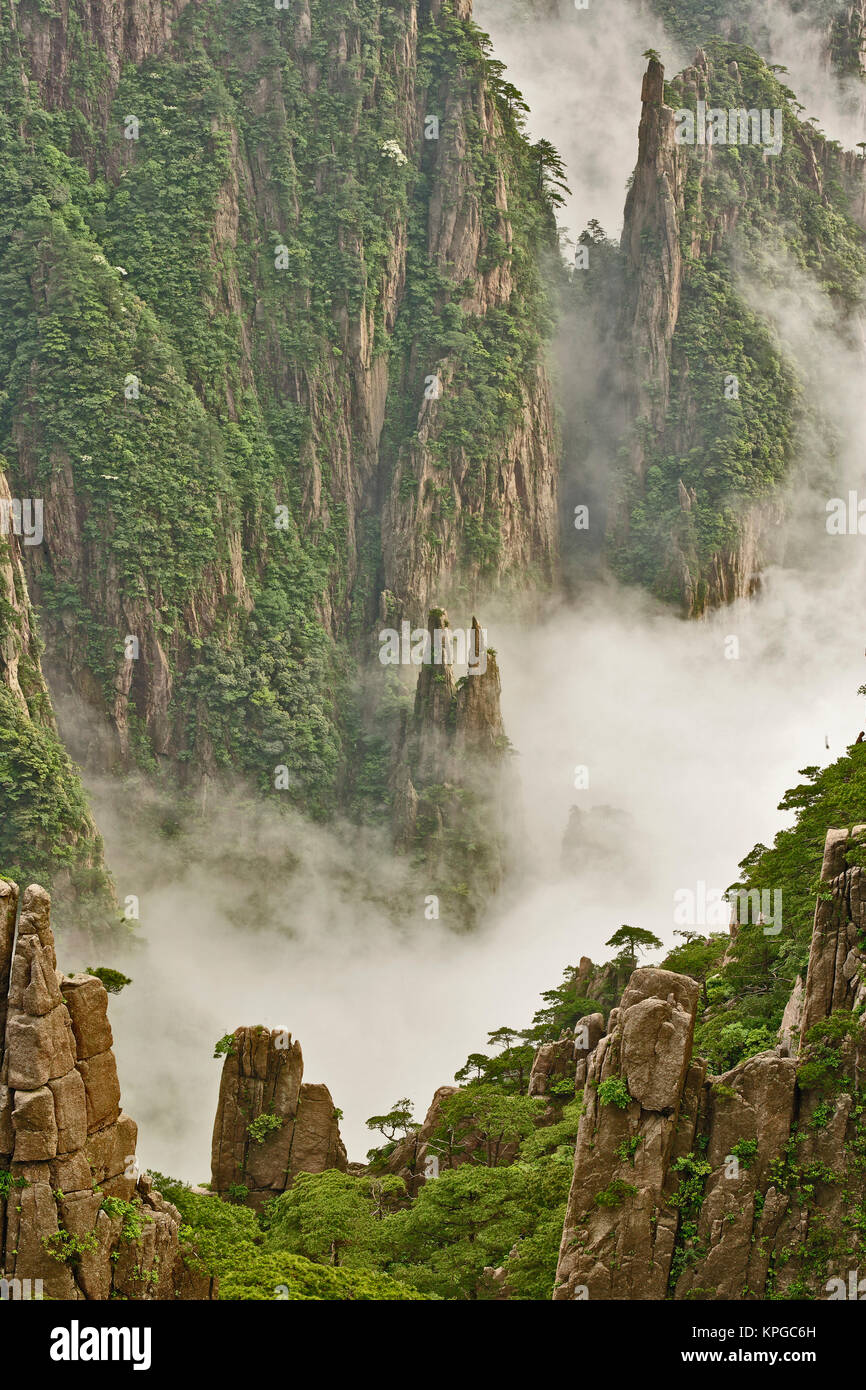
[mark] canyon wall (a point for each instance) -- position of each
(284, 371)
(45, 823)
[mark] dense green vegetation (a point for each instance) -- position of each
(734, 419)
(175, 309)
(492, 1219)
(746, 997)
(47, 835)
(694, 22)
(505, 1165)
(364, 1239)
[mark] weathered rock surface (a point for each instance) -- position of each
(837, 959)
(450, 779)
(437, 1146)
(621, 1246)
(65, 1144)
(554, 1062)
(567, 1059)
(673, 219)
(411, 1158)
(739, 1186)
(28, 727)
(263, 1076)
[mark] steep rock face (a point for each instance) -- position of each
(652, 215)
(451, 775)
(46, 827)
(837, 957)
(122, 32)
(77, 1216)
(736, 1186)
(846, 39)
(567, 1059)
(377, 419)
(553, 1062)
(684, 518)
(619, 1229)
(262, 1076)
(439, 1145)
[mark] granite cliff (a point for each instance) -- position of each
(747, 1185)
(281, 365)
(77, 1218)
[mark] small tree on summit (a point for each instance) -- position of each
(399, 1120)
(630, 941)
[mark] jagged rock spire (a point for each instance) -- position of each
(263, 1076)
(64, 1140)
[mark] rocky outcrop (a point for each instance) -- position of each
(412, 1157)
(640, 1108)
(553, 1064)
(658, 232)
(74, 1212)
(440, 1144)
(837, 960)
(652, 218)
(738, 1186)
(792, 1021)
(690, 203)
(451, 776)
(560, 1068)
(270, 1124)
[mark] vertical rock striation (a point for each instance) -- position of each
(262, 1076)
(450, 779)
(46, 827)
(639, 1115)
(76, 1213)
(391, 387)
(742, 1186)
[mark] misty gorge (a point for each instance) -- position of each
(432, 664)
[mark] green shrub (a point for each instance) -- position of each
(225, 1047)
(614, 1091)
(614, 1194)
(113, 980)
(263, 1125)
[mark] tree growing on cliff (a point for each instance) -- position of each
(630, 942)
(563, 1007)
(398, 1121)
(552, 185)
(508, 1069)
(698, 956)
(481, 1123)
